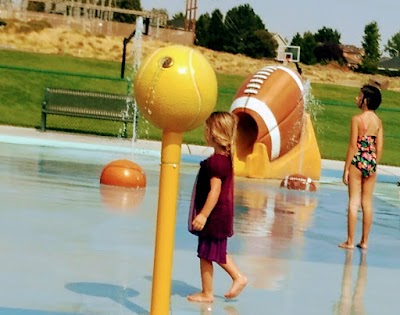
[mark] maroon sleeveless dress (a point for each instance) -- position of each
(212, 244)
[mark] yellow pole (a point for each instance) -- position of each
(166, 218)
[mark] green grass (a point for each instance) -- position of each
(24, 76)
(333, 124)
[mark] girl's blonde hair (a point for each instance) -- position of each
(222, 130)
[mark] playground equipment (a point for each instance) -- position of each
(123, 173)
(275, 134)
(176, 90)
(89, 15)
(298, 182)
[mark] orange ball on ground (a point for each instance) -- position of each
(123, 173)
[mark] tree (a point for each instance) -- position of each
(325, 52)
(269, 44)
(327, 35)
(216, 32)
(297, 40)
(393, 46)
(202, 30)
(327, 49)
(261, 44)
(307, 49)
(307, 45)
(177, 21)
(129, 5)
(241, 31)
(241, 22)
(370, 45)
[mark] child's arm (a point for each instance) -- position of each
(379, 144)
(352, 148)
(212, 199)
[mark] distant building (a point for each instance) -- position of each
(279, 39)
(352, 55)
(281, 43)
(391, 64)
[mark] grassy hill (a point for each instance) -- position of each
(25, 72)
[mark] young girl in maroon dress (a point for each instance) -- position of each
(213, 207)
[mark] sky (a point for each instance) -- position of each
(348, 17)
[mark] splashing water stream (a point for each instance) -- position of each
(312, 107)
(137, 59)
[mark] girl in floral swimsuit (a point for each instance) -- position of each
(363, 154)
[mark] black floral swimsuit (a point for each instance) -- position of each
(365, 158)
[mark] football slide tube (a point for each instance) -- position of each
(275, 134)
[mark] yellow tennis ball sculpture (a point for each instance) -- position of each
(175, 90)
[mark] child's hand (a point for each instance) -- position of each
(199, 222)
(346, 177)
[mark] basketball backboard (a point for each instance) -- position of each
(288, 54)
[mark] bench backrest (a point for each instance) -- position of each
(76, 100)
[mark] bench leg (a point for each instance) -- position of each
(43, 128)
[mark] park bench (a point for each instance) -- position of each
(87, 104)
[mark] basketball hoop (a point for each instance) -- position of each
(287, 54)
(288, 58)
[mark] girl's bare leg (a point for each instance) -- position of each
(354, 205)
(366, 204)
(239, 280)
(207, 273)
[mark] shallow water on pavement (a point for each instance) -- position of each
(72, 246)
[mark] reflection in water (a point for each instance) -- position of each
(271, 222)
(271, 211)
(352, 303)
(207, 309)
(121, 199)
(230, 310)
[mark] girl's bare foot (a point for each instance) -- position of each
(362, 245)
(201, 297)
(237, 286)
(346, 245)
